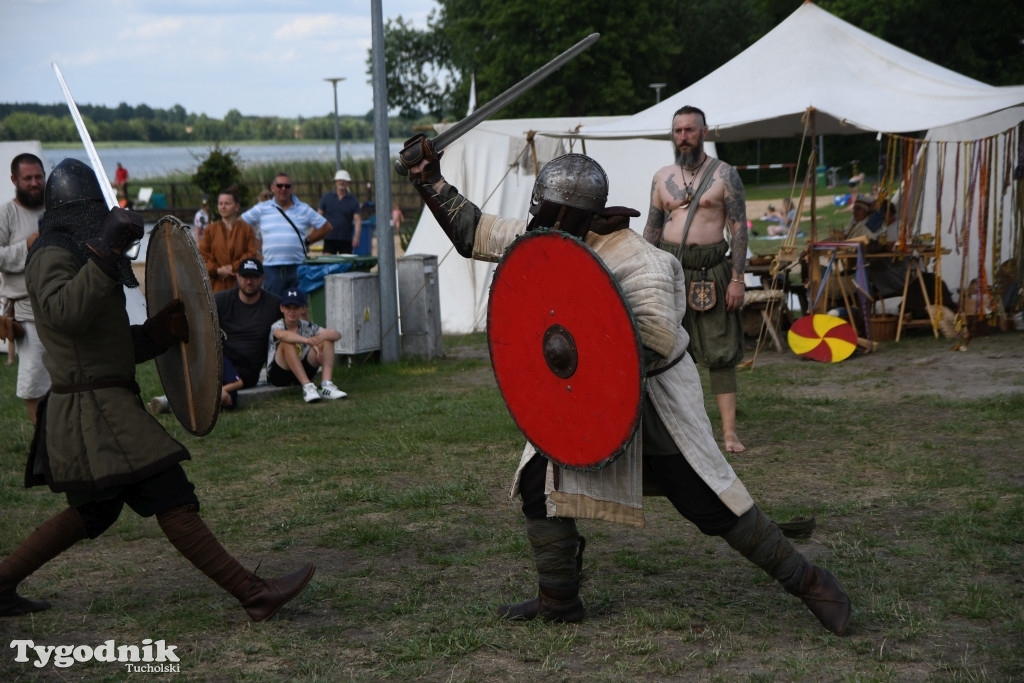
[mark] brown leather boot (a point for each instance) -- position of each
(820, 591)
(551, 604)
(261, 598)
(50, 539)
(761, 541)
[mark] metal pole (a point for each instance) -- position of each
(657, 91)
(389, 346)
(337, 138)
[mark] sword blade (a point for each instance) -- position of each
(90, 149)
(467, 124)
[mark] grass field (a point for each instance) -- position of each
(909, 459)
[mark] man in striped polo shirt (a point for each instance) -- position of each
(284, 226)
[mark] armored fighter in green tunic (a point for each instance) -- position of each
(94, 440)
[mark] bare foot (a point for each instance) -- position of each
(732, 443)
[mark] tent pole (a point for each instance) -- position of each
(814, 270)
(814, 185)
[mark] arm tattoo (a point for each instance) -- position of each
(739, 251)
(655, 225)
(655, 218)
(736, 216)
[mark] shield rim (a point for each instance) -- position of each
(634, 422)
(162, 361)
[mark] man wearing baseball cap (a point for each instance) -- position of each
(298, 348)
(246, 313)
(341, 209)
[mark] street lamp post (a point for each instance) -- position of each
(657, 91)
(337, 138)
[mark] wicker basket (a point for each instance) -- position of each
(883, 327)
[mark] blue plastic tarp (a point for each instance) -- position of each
(312, 276)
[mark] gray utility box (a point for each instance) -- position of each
(352, 307)
(419, 300)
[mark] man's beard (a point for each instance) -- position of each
(688, 158)
(28, 198)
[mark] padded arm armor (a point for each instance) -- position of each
(456, 215)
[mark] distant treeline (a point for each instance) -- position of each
(52, 123)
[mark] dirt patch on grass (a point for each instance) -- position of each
(920, 366)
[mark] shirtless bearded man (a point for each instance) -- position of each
(693, 202)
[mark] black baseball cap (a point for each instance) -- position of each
(251, 267)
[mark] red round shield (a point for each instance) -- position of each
(565, 350)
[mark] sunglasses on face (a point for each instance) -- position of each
(283, 186)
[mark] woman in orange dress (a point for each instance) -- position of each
(225, 243)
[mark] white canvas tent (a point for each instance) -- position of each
(854, 81)
(493, 166)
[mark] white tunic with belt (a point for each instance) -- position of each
(652, 282)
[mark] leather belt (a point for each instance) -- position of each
(131, 385)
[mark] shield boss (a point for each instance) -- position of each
(191, 373)
(565, 350)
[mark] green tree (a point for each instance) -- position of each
(646, 41)
(220, 171)
(983, 40)
(676, 42)
(419, 68)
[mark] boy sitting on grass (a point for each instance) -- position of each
(306, 347)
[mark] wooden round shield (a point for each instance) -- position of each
(824, 338)
(191, 373)
(565, 350)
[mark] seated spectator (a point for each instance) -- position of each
(785, 217)
(246, 314)
(858, 228)
(298, 348)
(227, 242)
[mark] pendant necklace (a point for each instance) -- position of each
(688, 197)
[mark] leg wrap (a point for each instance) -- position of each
(558, 554)
(261, 598)
(760, 540)
(50, 539)
(555, 544)
(188, 533)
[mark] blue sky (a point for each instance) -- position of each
(209, 56)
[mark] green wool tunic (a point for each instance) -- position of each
(100, 438)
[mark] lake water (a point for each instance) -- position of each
(150, 162)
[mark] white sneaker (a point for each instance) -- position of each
(158, 405)
(309, 393)
(328, 390)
